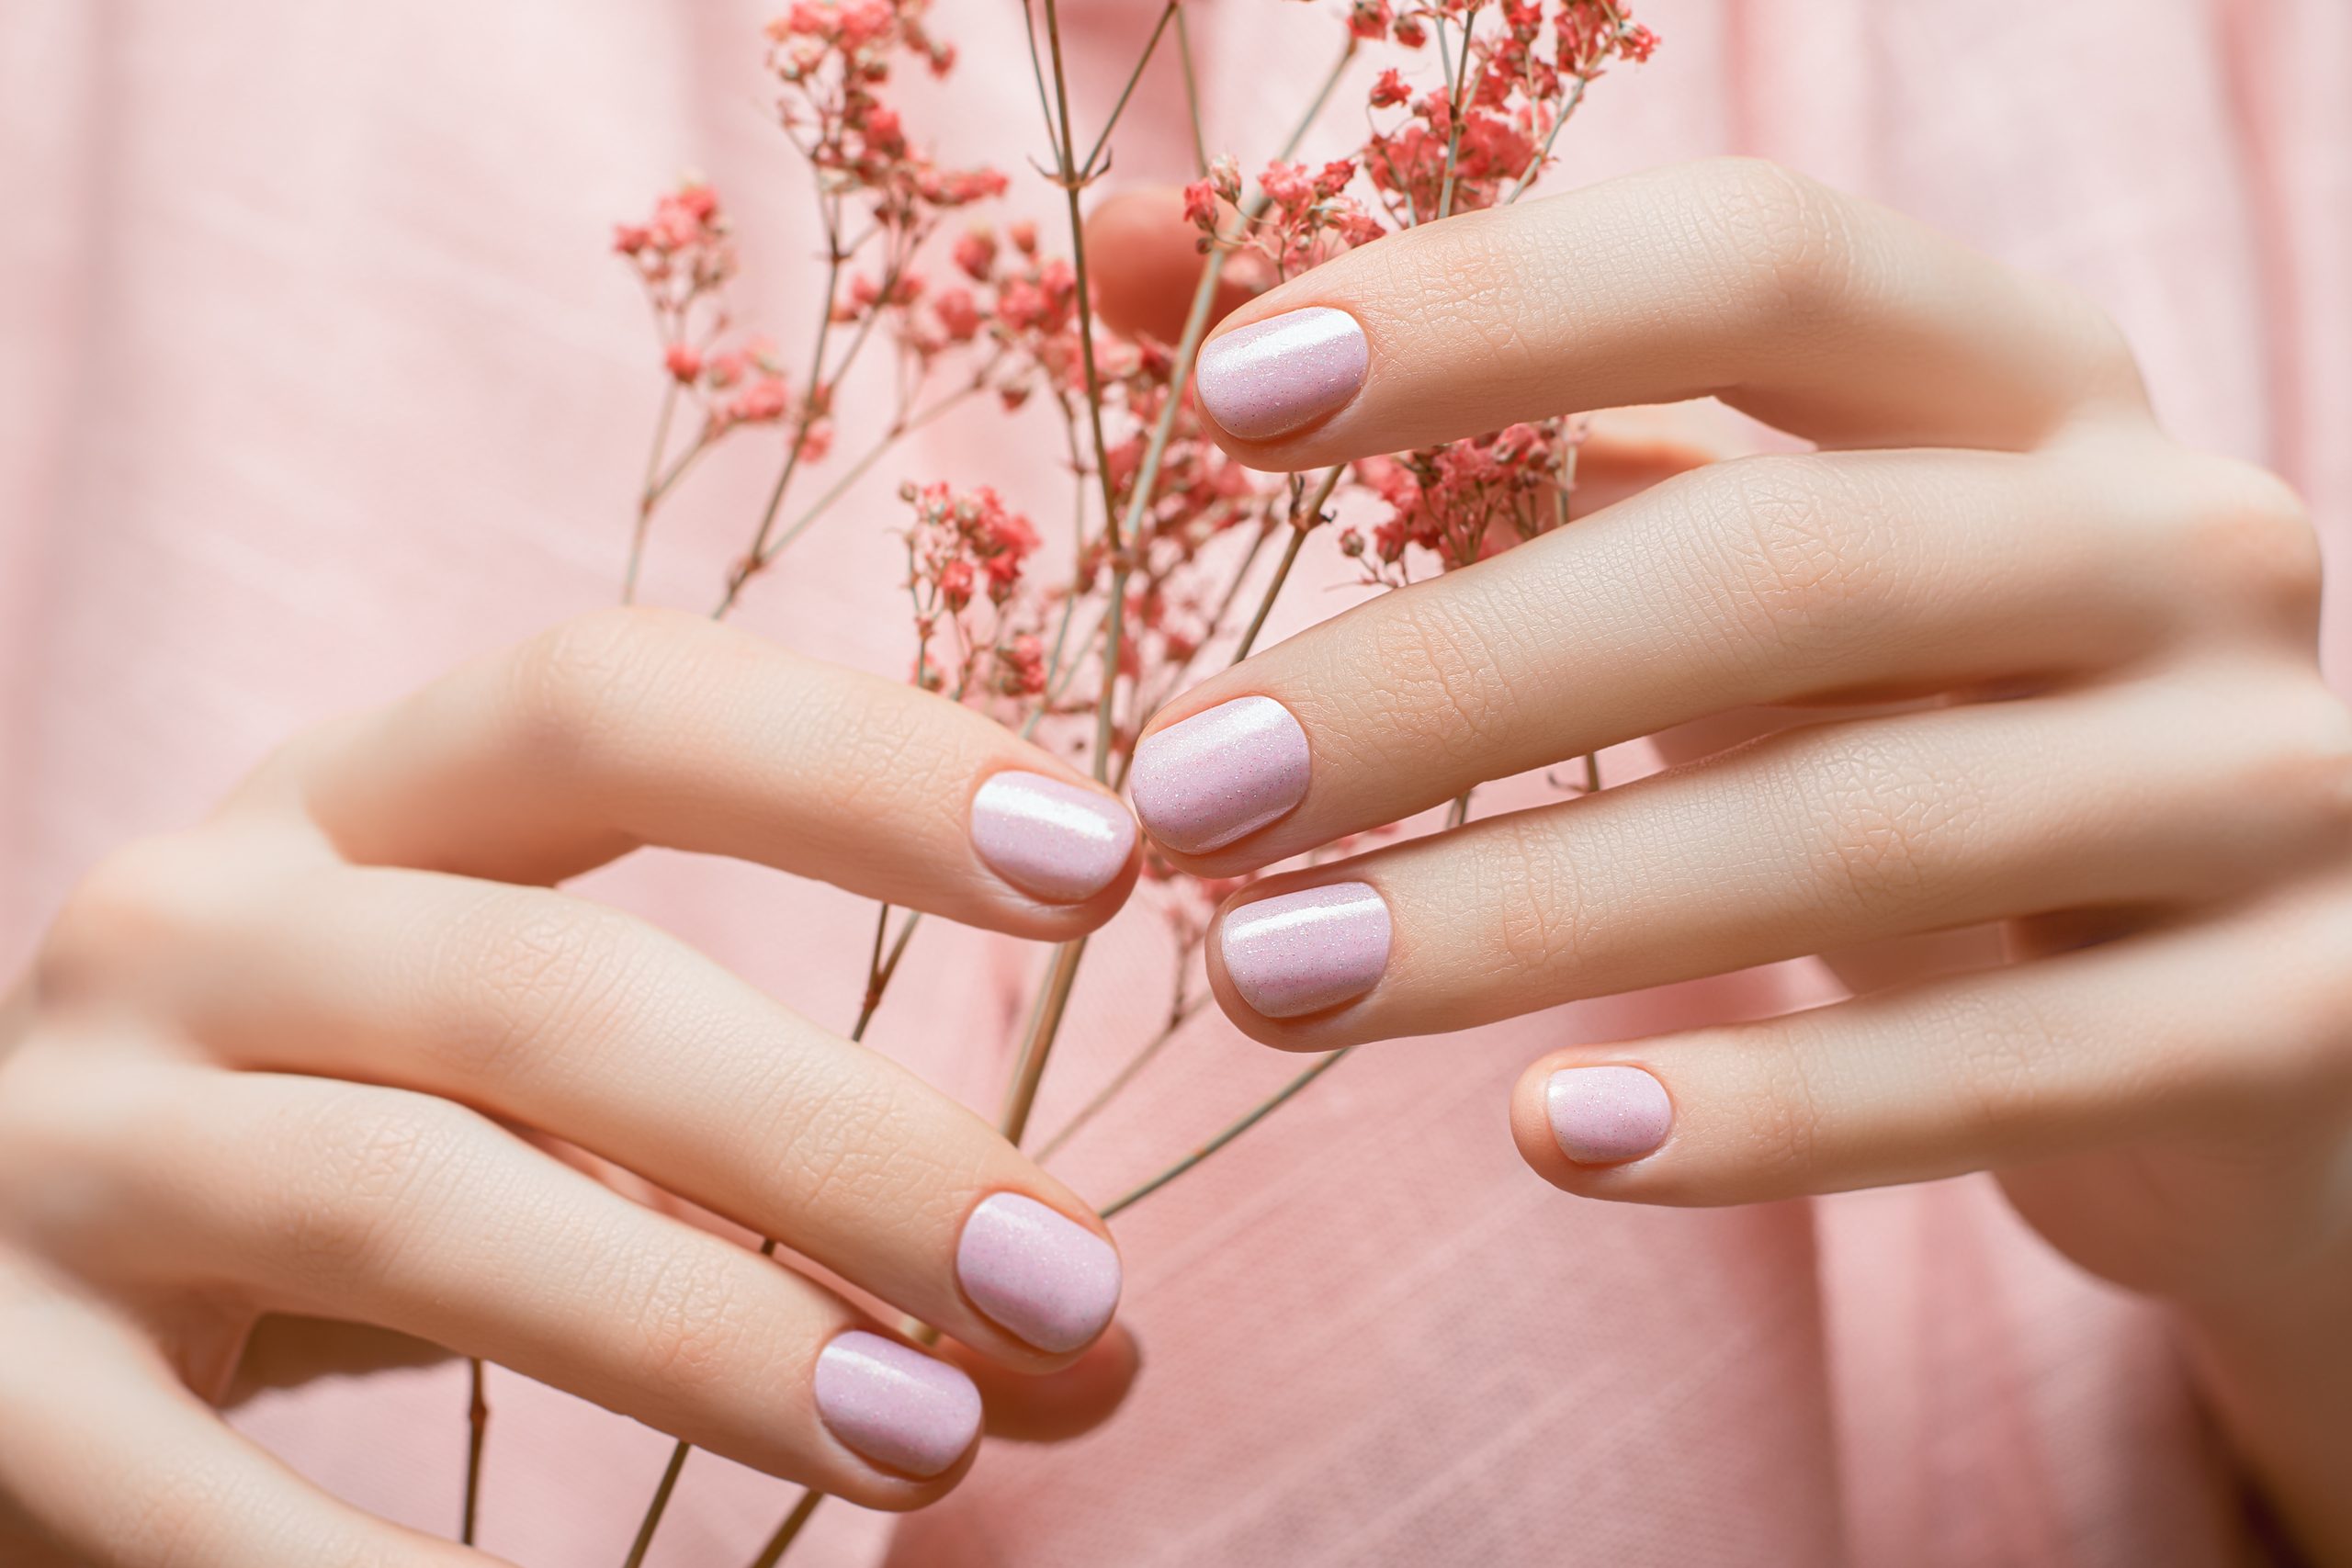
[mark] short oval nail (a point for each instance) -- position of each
(1606, 1115)
(1307, 951)
(1053, 841)
(896, 1405)
(1037, 1273)
(1221, 774)
(1274, 376)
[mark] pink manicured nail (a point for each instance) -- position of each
(895, 1405)
(1199, 784)
(1280, 373)
(1305, 952)
(1053, 841)
(1044, 1277)
(1606, 1115)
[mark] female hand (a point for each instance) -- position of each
(269, 1065)
(2113, 741)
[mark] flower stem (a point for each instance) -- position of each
(1088, 169)
(477, 1434)
(1301, 522)
(649, 493)
(1183, 1014)
(1454, 112)
(1257, 1114)
(1191, 92)
(788, 1531)
(880, 965)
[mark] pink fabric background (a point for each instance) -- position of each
(315, 378)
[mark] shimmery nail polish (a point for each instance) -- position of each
(896, 1405)
(1220, 775)
(1046, 1279)
(1276, 375)
(1606, 1115)
(1307, 951)
(1053, 841)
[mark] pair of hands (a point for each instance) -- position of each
(271, 1066)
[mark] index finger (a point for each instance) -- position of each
(1823, 315)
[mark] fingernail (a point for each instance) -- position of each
(1280, 373)
(1199, 784)
(1305, 952)
(1606, 1115)
(1053, 841)
(1037, 1273)
(895, 1405)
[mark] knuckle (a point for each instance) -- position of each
(692, 1319)
(145, 897)
(1785, 1129)
(1425, 683)
(525, 971)
(573, 689)
(1885, 824)
(1794, 538)
(847, 1128)
(1528, 886)
(2252, 538)
(1788, 237)
(369, 1168)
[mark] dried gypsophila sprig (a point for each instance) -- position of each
(1165, 487)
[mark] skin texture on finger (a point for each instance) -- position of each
(408, 1211)
(1810, 840)
(630, 727)
(2145, 1041)
(1818, 313)
(119, 1464)
(1770, 580)
(577, 1020)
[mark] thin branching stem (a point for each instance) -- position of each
(1453, 109)
(649, 493)
(788, 1531)
(1183, 1014)
(1256, 1114)
(1191, 92)
(476, 1437)
(1093, 164)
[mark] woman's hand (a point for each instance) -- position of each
(2109, 736)
(270, 1065)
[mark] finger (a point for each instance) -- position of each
(1146, 264)
(2146, 1038)
(1767, 580)
(121, 1464)
(589, 1024)
(1057, 1405)
(1823, 315)
(631, 727)
(1810, 840)
(415, 1214)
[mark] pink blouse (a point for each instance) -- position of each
(316, 376)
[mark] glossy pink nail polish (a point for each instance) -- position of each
(1274, 376)
(1307, 951)
(1606, 1115)
(1220, 775)
(1036, 1273)
(1053, 841)
(896, 1405)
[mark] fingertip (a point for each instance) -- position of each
(1148, 264)
(1588, 1125)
